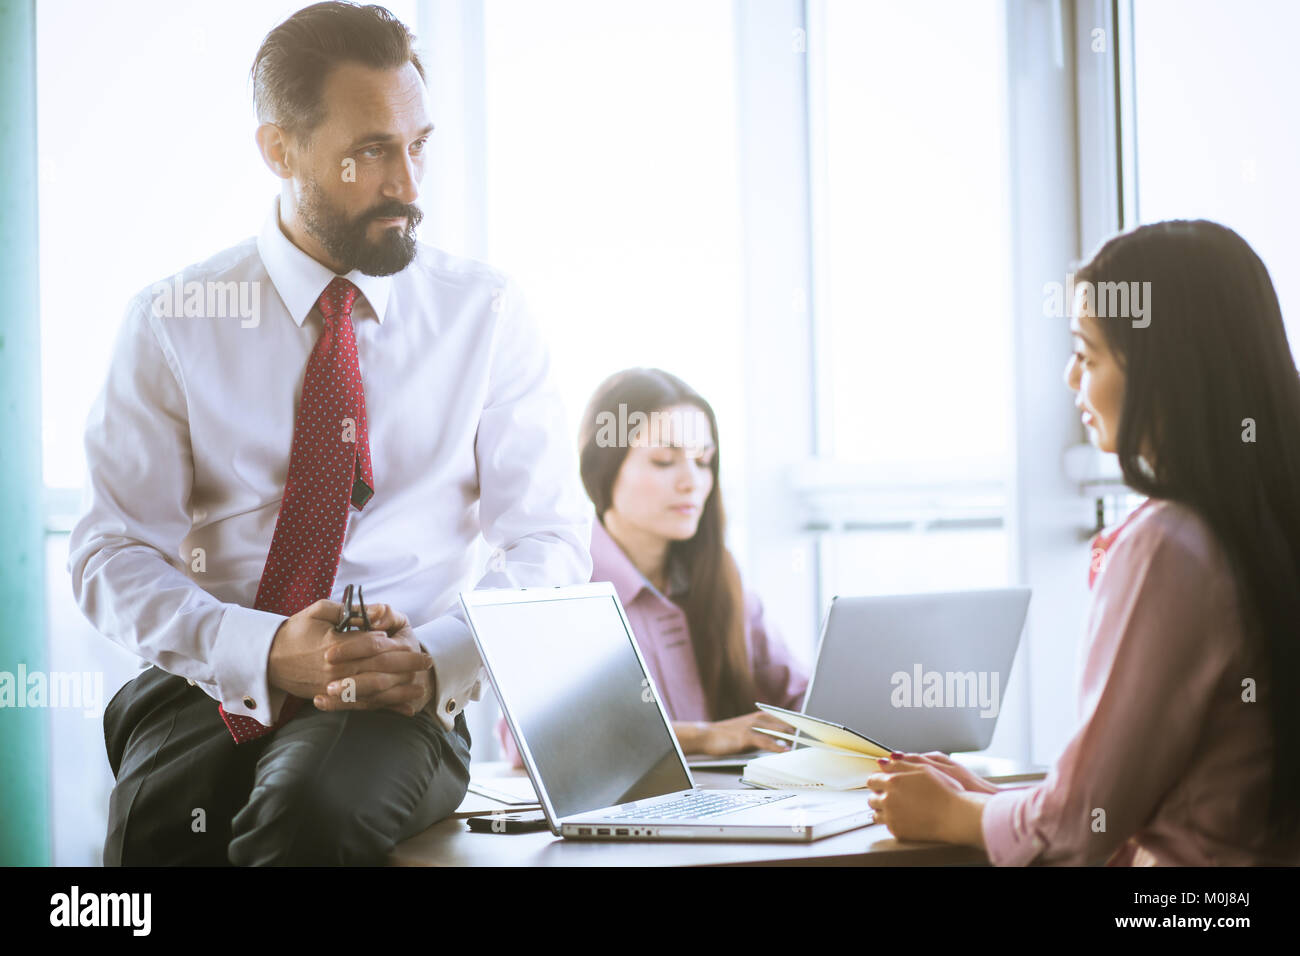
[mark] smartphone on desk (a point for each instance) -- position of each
(527, 821)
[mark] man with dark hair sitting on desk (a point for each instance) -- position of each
(380, 405)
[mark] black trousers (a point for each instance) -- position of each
(328, 788)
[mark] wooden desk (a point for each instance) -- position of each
(452, 843)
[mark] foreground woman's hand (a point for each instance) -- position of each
(968, 779)
(918, 801)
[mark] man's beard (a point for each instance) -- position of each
(345, 240)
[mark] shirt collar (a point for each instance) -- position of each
(611, 564)
(300, 279)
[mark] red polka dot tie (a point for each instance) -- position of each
(329, 468)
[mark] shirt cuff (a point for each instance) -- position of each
(277, 698)
(1006, 838)
(457, 668)
(239, 660)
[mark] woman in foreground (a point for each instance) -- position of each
(1187, 747)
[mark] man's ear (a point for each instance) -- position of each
(273, 144)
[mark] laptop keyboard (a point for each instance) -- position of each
(700, 803)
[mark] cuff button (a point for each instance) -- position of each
(451, 705)
(250, 703)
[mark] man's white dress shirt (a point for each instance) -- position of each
(187, 450)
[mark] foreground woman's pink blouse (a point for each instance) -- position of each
(659, 626)
(1172, 757)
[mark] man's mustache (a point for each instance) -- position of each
(412, 213)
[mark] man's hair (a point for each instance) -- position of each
(293, 61)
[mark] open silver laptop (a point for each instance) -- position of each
(922, 671)
(596, 740)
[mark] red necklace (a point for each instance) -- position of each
(1102, 542)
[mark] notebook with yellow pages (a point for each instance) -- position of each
(827, 756)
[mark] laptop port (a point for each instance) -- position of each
(584, 831)
(620, 832)
(603, 831)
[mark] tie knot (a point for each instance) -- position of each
(336, 301)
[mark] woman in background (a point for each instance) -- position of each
(650, 462)
(1187, 750)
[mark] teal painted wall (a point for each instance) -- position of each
(24, 733)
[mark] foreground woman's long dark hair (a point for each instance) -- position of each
(1211, 419)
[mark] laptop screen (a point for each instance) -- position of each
(568, 674)
(920, 671)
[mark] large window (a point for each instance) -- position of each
(611, 190)
(912, 249)
(1216, 131)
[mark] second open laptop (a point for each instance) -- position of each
(922, 671)
(596, 739)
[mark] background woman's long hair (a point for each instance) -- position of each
(1215, 354)
(714, 603)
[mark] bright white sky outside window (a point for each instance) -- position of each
(914, 246)
(1218, 125)
(612, 194)
(913, 251)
